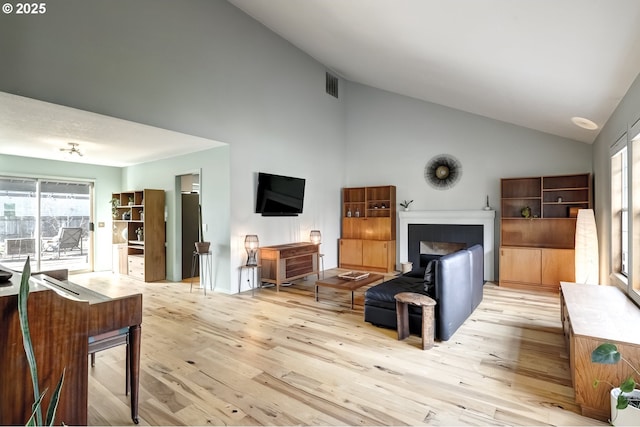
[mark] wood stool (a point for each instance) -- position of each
(403, 299)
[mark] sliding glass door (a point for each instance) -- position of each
(48, 221)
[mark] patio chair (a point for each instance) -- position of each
(67, 239)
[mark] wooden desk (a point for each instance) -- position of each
(283, 263)
(592, 315)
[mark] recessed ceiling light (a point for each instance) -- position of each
(584, 123)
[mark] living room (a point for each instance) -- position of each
(213, 72)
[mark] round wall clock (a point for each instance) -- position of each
(442, 171)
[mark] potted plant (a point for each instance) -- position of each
(36, 414)
(114, 207)
(202, 247)
(625, 399)
(405, 204)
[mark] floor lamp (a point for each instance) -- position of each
(586, 248)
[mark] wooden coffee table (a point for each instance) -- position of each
(336, 282)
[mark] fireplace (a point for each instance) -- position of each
(464, 226)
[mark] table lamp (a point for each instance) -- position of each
(315, 237)
(251, 244)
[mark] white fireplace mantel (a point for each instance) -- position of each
(486, 218)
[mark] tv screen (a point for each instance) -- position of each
(279, 195)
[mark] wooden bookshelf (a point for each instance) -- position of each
(143, 258)
(537, 252)
(368, 228)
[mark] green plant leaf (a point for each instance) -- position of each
(628, 385)
(23, 296)
(605, 353)
(55, 399)
(35, 408)
(623, 402)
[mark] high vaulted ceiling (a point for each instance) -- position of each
(533, 63)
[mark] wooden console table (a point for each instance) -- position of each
(592, 315)
(283, 263)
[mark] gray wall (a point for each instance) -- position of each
(390, 138)
(204, 68)
(625, 115)
(213, 167)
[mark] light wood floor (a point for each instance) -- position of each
(285, 359)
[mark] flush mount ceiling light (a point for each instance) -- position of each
(584, 123)
(73, 150)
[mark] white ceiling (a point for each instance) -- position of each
(533, 63)
(33, 128)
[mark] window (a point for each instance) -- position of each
(625, 212)
(624, 215)
(32, 214)
(634, 236)
(619, 210)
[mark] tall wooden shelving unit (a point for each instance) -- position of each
(536, 253)
(368, 228)
(143, 259)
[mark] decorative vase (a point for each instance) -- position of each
(202, 247)
(406, 209)
(630, 416)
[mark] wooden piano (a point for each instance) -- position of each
(67, 322)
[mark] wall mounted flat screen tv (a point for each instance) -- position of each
(279, 195)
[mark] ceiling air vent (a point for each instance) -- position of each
(331, 84)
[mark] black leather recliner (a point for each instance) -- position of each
(455, 281)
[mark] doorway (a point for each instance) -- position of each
(190, 202)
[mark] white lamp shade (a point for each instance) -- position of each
(315, 237)
(586, 248)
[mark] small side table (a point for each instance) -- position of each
(252, 276)
(206, 265)
(403, 299)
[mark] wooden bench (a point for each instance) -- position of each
(592, 315)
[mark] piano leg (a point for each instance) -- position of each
(127, 380)
(134, 365)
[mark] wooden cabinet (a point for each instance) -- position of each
(368, 228)
(558, 265)
(374, 255)
(283, 263)
(537, 229)
(592, 315)
(520, 266)
(139, 234)
(350, 252)
(379, 254)
(536, 268)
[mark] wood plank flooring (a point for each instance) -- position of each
(285, 359)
